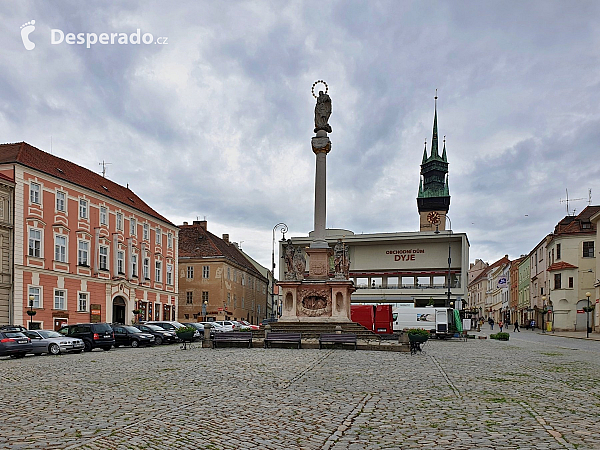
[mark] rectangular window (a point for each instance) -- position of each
(132, 226)
(243, 280)
(121, 262)
(158, 236)
(34, 193)
(146, 269)
(35, 243)
(158, 267)
(557, 251)
(83, 208)
(206, 271)
(119, 221)
(82, 301)
(60, 248)
(571, 282)
(189, 298)
(169, 240)
(103, 257)
(204, 296)
(229, 273)
(82, 253)
(588, 249)
(103, 216)
(36, 293)
(228, 299)
(134, 266)
(60, 201)
(557, 281)
(59, 299)
(169, 274)
(146, 232)
(190, 272)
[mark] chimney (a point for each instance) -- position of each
(185, 223)
(226, 238)
(201, 223)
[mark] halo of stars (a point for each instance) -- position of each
(317, 82)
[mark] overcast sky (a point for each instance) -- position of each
(216, 123)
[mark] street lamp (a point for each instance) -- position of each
(204, 304)
(543, 312)
(31, 312)
(284, 229)
(587, 316)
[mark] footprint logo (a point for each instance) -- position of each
(26, 30)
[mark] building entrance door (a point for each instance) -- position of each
(581, 321)
(118, 315)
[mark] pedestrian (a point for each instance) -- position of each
(500, 325)
(491, 323)
(532, 324)
(516, 326)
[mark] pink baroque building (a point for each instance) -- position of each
(85, 248)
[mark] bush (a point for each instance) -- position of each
(185, 330)
(417, 332)
(500, 336)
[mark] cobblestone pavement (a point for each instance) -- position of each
(478, 394)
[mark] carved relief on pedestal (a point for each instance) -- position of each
(314, 302)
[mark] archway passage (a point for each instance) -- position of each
(118, 315)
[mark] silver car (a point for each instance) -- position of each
(52, 342)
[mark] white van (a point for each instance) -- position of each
(436, 320)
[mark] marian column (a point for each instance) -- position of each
(319, 250)
(316, 297)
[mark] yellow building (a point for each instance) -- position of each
(215, 274)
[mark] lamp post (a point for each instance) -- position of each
(31, 312)
(543, 312)
(449, 256)
(204, 304)
(284, 229)
(587, 316)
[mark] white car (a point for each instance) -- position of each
(227, 324)
(52, 342)
(214, 326)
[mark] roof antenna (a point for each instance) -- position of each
(104, 164)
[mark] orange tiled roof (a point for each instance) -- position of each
(560, 265)
(197, 242)
(503, 260)
(573, 224)
(34, 158)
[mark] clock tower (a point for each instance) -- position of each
(433, 201)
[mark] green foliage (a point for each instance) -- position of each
(184, 330)
(417, 332)
(500, 336)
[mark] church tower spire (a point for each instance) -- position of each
(434, 195)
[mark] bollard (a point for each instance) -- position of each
(207, 343)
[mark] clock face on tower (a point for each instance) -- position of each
(433, 218)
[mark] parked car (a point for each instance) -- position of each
(14, 343)
(52, 342)
(94, 335)
(198, 326)
(129, 335)
(214, 326)
(247, 324)
(267, 322)
(160, 334)
(227, 324)
(170, 325)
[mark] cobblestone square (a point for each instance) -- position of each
(532, 392)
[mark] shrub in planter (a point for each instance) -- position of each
(500, 336)
(185, 333)
(417, 334)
